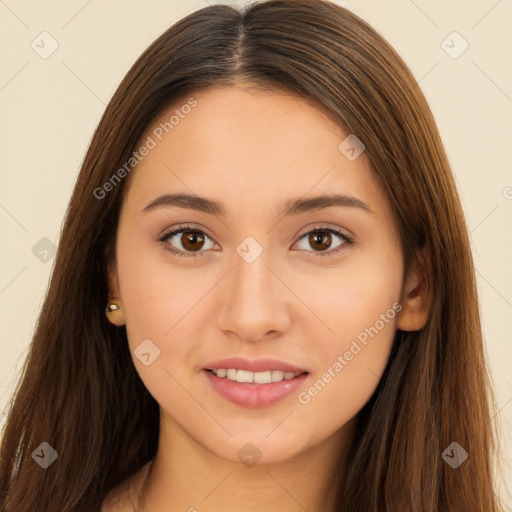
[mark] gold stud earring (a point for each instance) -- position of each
(111, 307)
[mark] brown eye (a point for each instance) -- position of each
(192, 240)
(319, 240)
(186, 241)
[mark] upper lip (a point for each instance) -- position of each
(255, 365)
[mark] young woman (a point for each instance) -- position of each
(263, 297)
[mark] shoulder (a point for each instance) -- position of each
(123, 498)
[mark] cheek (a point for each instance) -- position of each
(348, 367)
(359, 304)
(160, 305)
(155, 294)
(353, 296)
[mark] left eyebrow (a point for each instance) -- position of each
(200, 204)
(291, 207)
(296, 206)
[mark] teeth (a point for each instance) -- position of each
(262, 377)
(277, 375)
(254, 377)
(243, 376)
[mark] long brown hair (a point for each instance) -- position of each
(79, 390)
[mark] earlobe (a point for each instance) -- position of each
(115, 313)
(114, 309)
(416, 297)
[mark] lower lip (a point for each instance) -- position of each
(253, 395)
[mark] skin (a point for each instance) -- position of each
(251, 151)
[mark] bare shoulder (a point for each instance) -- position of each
(123, 498)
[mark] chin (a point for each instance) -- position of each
(257, 449)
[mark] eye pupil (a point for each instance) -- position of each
(315, 238)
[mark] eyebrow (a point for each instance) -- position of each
(291, 207)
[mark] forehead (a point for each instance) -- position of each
(243, 145)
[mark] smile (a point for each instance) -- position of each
(265, 377)
(254, 389)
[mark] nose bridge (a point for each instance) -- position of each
(251, 277)
(254, 303)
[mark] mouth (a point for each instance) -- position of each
(254, 389)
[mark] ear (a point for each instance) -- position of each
(416, 297)
(116, 316)
(112, 280)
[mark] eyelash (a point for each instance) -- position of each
(347, 241)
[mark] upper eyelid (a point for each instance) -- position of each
(168, 232)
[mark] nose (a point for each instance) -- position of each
(254, 302)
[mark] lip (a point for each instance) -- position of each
(256, 365)
(253, 395)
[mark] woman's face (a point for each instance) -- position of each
(249, 279)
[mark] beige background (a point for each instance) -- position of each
(51, 106)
